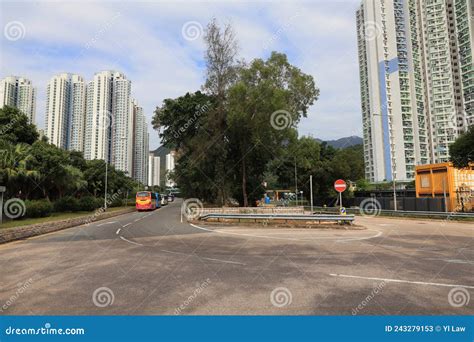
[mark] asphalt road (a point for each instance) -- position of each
(149, 263)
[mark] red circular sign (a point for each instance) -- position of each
(340, 185)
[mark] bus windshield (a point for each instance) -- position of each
(143, 194)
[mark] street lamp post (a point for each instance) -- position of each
(296, 184)
(105, 195)
(394, 195)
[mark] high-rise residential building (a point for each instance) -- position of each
(77, 114)
(140, 144)
(109, 120)
(19, 92)
(411, 88)
(65, 111)
(122, 125)
(464, 18)
(154, 170)
(166, 159)
(169, 169)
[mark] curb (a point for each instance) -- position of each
(24, 232)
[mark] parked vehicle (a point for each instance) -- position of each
(170, 197)
(164, 200)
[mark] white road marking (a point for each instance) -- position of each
(103, 224)
(291, 239)
(454, 261)
(212, 259)
(126, 225)
(362, 238)
(132, 242)
(136, 220)
(118, 231)
(400, 281)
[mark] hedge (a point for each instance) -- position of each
(38, 208)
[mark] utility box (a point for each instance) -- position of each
(443, 180)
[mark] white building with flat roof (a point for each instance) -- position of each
(109, 120)
(19, 92)
(65, 111)
(140, 144)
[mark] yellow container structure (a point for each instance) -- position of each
(445, 181)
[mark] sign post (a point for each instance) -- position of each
(340, 186)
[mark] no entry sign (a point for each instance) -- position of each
(340, 185)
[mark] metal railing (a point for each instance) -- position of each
(317, 217)
(435, 214)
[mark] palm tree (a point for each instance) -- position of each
(14, 168)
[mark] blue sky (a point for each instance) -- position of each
(147, 42)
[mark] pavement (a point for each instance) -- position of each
(150, 263)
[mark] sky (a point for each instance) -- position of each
(159, 46)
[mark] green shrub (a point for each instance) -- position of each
(116, 202)
(66, 203)
(88, 203)
(39, 208)
(99, 202)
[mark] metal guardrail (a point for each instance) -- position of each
(438, 214)
(317, 217)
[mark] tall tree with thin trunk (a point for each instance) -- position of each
(221, 64)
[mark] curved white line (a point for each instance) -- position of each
(363, 238)
(400, 281)
(132, 242)
(291, 239)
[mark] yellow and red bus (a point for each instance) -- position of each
(147, 200)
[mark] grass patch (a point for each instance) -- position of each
(52, 218)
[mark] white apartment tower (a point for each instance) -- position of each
(464, 18)
(169, 168)
(140, 144)
(412, 95)
(19, 92)
(65, 111)
(122, 125)
(109, 120)
(153, 170)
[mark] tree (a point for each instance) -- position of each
(221, 69)
(15, 126)
(264, 90)
(15, 166)
(462, 150)
(186, 122)
(50, 162)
